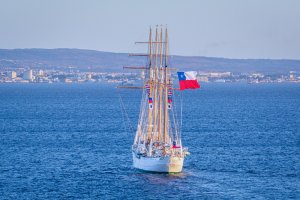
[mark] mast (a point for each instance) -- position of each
(160, 111)
(156, 118)
(166, 89)
(150, 125)
(155, 81)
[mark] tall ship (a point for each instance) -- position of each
(157, 145)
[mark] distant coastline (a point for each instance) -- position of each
(99, 61)
(85, 66)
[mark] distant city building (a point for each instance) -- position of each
(40, 73)
(292, 75)
(12, 74)
(89, 76)
(215, 74)
(142, 76)
(27, 75)
(67, 80)
(202, 79)
(257, 75)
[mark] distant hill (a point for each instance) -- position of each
(90, 60)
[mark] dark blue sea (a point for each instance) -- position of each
(60, 141)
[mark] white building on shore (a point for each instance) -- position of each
(12, 74)
(27, 75)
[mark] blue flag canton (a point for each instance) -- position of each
(181, 76)
(150, 100)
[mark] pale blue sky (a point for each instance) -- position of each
(219, 28)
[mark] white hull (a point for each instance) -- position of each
(160, 164)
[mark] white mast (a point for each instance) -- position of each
(150, 122)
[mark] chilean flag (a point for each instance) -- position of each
(187, 80)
